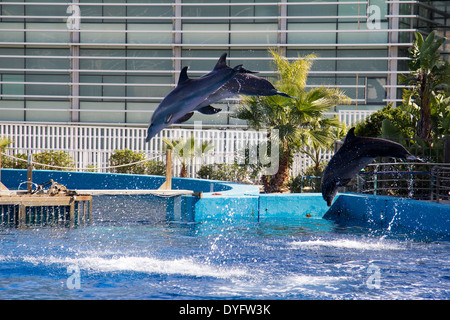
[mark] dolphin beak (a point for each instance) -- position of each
(150, 133)
(411, 157)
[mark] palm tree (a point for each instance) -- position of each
(299, 121)
(187, 150)
(429, 76)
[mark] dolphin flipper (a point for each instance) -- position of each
(185, 118)
(208, 110)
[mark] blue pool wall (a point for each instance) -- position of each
(393, 213)
(222, 201)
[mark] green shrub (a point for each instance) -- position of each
(126, 156)
(311, 180)
(53, 158)
(8, 162)
(226, 172)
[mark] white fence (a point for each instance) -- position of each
(93, 145)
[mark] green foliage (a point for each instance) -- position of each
(126, 156)
(298, 120)
(372, 126)
(4, 142)
(429, 77)
(7, 162)
(226, 172)
(53, 158)
(187, 150)
(309, 181)
(301, 122)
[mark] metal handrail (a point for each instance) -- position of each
(432, 184)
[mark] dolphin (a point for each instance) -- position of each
(242, 83)
(355, 154)
(188, 94)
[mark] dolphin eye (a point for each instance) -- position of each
(169, 117)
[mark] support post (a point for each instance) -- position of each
(30, 173)
(167, 185)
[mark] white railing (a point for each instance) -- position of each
(91, 146)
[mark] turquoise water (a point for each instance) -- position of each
(127, 253)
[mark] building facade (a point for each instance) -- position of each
(112, 61)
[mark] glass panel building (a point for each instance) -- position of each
(112, 61)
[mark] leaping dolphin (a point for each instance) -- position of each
(355, 154)
(242, 83)
(188, 94)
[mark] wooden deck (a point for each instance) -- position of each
(28, 210)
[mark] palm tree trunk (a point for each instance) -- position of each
(277, 182)
(424, 124)
(183, 171)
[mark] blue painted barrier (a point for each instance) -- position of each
(392, 213)
(224, 200)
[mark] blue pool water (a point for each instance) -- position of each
(127, 253)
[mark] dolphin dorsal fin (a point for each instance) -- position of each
(183, 76)
(350, 135)
(222, 63)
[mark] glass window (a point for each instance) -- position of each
(151, 11)
(41, 62)
(102, 64)
(310, 10)
(114, 91)
(348, 84)
(47, 89)
(11, 36)
(104, 112)
(140, 117)
(246, 36)
(366, 65)
(249, 58)
(47, 36)
(59, 113)
(91, 90)
(305, 36)
(12, 115)
(149, 59)
(45, 10)
(207, 61)
(11, 88)
(323, 62)
(156, 33)
(199, 37)
(12, 62)
(205, 11)
(361, 37)
(104, 34)
(159, 86)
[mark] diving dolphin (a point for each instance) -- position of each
(355, 154)
(188, 94)
(242, 83)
